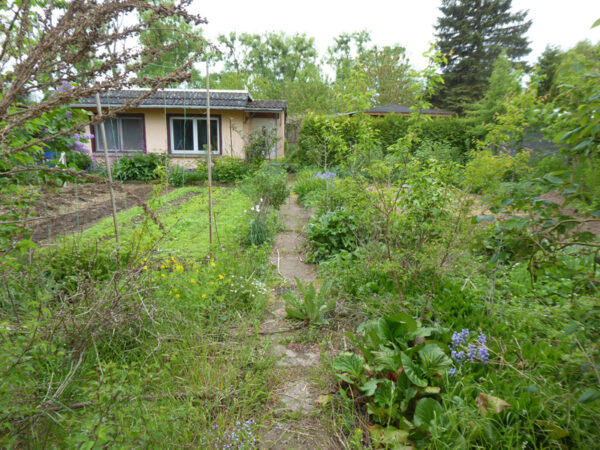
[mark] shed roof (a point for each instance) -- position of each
(403, 109)
(186, 98)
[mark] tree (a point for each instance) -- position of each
(274, 66)
(547, 65)
(381, 74)
(503, 81)
(174, 32)
(472, 33)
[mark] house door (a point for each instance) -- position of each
(267, 124)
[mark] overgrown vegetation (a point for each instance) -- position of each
(462, 264)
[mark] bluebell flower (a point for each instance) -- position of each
(452, 372)
(482, 339)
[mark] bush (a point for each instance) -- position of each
(331, 233)
(229, 170)
(81, 161)
(260, 143)
(141, 167)
(485, 171)
(179, 176)
(307, 183)
(457, 133)
(267, 186)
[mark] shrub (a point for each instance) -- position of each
(81, 161)
(229, 170)
(180, 176)
(260, 143)
(485, 171)
(306, 183)
(267, 186)
(331, 233)
(141, 167)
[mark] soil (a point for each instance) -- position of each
(74, 208)
(556, 197)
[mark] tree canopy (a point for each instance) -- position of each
(472, 34)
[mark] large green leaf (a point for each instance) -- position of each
(412, 371)
(433, 360)
(389, 437)
(349, 363)
(426, 412)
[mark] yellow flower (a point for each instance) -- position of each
(175, 290)
(197, 271)
(212, 263)
(203, 295)
(145, 267)
(221, 277)
(162, 267)
(180, 268)
(170, 292)
(163, 275)
(192, 281)
(177, 296)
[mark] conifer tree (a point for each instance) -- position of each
(472, 33)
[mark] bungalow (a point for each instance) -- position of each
(402, 110)
(173, 121)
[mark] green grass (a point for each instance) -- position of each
(192, 372)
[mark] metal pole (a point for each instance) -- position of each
(109, 174)
(209, 159)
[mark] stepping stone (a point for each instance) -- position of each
(296, 398)
(294, 359)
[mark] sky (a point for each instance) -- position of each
(406, 22)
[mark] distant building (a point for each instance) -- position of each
(173, 121)
(401, 110)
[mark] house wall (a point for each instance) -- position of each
(235, 125)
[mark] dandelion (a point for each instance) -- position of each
(177, 296)
(163, 266)
(203, 295)
(221, 277)
(163, 275)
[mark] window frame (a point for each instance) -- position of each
(96, 139)
(195, 118)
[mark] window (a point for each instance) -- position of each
(123, 133)
(188, 135)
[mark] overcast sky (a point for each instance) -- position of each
(406, 22)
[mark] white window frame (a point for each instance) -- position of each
(196, 150)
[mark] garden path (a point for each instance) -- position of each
(295, 424)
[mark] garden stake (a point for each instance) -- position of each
(209, 161)
(110, 181)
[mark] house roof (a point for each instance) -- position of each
(186, 98)
(401, 109)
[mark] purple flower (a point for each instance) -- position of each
(472, 352)
(88, 136)
(483, 354)
(452, 372)
(68, 86)
(69, 115)
(482, 339)
(324, 175)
